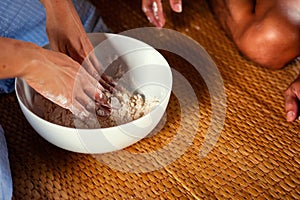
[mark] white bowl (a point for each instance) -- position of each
(152, 76)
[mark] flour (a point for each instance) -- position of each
(126, 107)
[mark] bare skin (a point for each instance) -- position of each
(267, 32)
(154, 10)
(67, 35)
(57, 74)
(261, 29)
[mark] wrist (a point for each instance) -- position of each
(30, 55)
(53, 7)
(59, 15)
(16, 57)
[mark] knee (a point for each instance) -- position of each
(271, 44)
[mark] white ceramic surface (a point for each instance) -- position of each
(152, 76)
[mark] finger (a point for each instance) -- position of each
(93, 67)
(158, 12)
(96, 91)
(110, 88)
(95, 62)
(99, 94)
(89, 67)
(291, 107)
(93, 100)
(107, 79)
(98, 103)
(79, 110)
(151, 18)
(176, 5)
(291, 98)
(102, 108)
(154, 12)
(99, 78)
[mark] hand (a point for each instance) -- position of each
(66, 83)
(65, 30)
(154, 10)
(67, 35)
(292, 97)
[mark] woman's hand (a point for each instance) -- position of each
(54, 75)
(65, 82)
(292, 97)
(65, 30)
(67, 35)
(154, 10)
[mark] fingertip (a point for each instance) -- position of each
(160, 24)
(177, 7)
(145, 9)
(78, 111)
(99, 87)
(290, 116)
(149, 19)
(157, 24)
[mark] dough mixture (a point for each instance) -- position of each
(126, 107)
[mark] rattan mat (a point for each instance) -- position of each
(256, 154)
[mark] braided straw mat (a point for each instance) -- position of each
(255, 156)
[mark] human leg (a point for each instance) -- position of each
(261, 29)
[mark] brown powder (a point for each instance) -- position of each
(126, 107)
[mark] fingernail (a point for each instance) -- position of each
(290, 116)
(178, 7)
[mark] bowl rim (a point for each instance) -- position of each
(87, 129)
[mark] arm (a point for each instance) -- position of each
(53, 74)
(11, 67)
(67, 35)
(65, 30)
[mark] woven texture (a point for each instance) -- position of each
(257, 154)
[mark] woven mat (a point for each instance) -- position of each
(256, 154)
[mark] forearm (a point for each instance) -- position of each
(15, 57)
(59, 13)
(59, 6)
